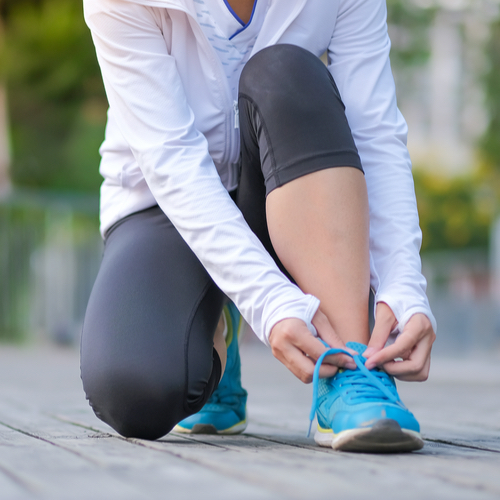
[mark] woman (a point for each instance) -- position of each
(234, 166)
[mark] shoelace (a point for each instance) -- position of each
(371, 381)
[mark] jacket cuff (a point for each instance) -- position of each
(303, 309)
(404, 313)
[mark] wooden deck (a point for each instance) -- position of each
(52, 446)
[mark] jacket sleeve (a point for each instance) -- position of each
(358, 58)
(146, 94)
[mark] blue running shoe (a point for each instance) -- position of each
(360, 410)
(225, 411)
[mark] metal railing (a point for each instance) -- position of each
(50, 250)
(461, 294)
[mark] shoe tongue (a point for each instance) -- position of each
(358, 347)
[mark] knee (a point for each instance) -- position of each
(137, 408)
(282, 67)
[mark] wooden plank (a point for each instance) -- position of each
(113, 464)
(328, 470)
(12, 486)
(48, 471)
(300, 468)
(460, 403)
(44, 401)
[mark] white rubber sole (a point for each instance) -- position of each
(211, 429)
(385, 436)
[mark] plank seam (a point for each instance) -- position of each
(460, 445)
(69, 450)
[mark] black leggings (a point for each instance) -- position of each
(147, 357)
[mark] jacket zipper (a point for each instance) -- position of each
(236, 115)
(227, 94)
(228, 153)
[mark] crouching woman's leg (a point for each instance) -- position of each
(147, 354)
(302, 188)
(297, 141)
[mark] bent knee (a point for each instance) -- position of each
(134, 408)
(279, 65)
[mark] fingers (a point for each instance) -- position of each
(298, 349)
(385, 321)
(328, 335)
(409, 371)
(413, 347)
(294, 345)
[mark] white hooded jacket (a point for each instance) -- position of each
(172, 140)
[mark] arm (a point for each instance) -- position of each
(359, 62)
(146, 93)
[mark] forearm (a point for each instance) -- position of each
(359, 62)
(152, 112)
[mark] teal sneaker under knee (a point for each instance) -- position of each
(225, 411)
(360, 410)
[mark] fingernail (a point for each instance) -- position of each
(370, 366)
(351, 366)
(369, 351)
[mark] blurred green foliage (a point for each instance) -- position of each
(488, 177)
(57, 112)
(56, 99)
(409, 27)
(454, 212)
(490, 145)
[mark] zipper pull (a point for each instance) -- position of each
(236, 115)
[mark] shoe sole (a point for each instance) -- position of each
(211, 429)
(385, 436)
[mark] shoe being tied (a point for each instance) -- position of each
(360, 410)
(225, 411)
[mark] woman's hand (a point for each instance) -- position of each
(413, 346)
(296, 347)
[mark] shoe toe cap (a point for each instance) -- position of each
(368, 415)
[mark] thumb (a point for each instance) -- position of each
(385, 322)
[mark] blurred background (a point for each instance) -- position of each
(446, 61)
